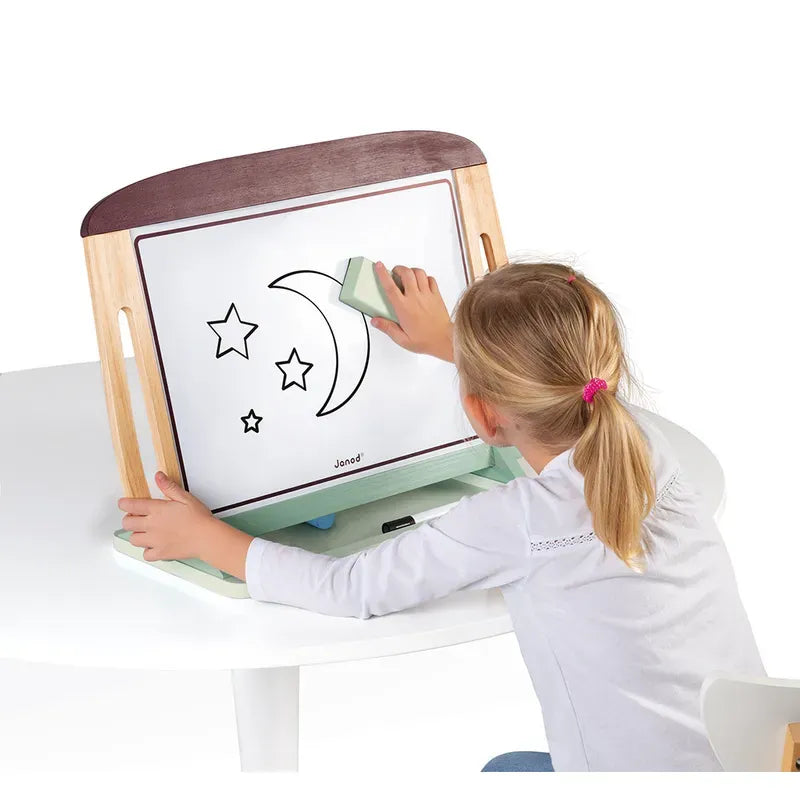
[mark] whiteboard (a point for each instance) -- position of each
(274, 387)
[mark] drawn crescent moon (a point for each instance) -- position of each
(322, 291)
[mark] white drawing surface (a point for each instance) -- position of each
(274, 386)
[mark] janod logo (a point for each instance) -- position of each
(348, 462)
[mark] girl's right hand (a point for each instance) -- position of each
(425, 325)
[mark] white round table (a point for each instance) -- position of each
(66, 597)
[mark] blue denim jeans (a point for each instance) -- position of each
(520, 762)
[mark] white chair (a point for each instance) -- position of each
(753, 723)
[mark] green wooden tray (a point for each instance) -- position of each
(360, 507)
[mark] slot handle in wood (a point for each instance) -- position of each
(107, 303)
(115, 286)
(483, 237)
(488, 250)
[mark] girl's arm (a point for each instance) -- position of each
(480, 544)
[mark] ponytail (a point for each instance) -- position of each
(614, 459)
(528, 337)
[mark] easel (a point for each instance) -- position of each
(246, 181)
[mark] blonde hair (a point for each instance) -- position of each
(529, 337)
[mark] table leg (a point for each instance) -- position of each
(267, 703)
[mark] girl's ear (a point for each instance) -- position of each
(483, 416)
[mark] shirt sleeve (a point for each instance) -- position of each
(481, 543)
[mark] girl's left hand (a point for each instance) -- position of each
(175, 528)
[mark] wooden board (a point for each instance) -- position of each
(791, 749)
(210, 195)
(279, 175)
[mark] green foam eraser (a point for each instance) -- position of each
(362, 291)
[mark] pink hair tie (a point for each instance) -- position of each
(571, 278)
(594, 386)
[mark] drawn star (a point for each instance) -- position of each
(251, 421)
(294, 371)
(232, 333)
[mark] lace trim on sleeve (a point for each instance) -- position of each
(667, 486)
(582, 538)
(569, 541)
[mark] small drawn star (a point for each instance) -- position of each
(251, 421)
(232, 333)
(294, 371)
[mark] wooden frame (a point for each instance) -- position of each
(114, 285)
(483, 238)
(240, 182)
(791, 750)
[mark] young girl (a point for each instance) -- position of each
(620, 588)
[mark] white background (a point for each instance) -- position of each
(655, 142)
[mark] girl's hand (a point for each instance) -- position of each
(425, 325)
(182, 527)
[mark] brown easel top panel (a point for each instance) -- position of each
(274, 175)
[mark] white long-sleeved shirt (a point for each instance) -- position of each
(617, 658)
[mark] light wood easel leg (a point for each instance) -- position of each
(482, 234)
(103, 257)
(267, 703)
(115, 286)
(791, 750)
